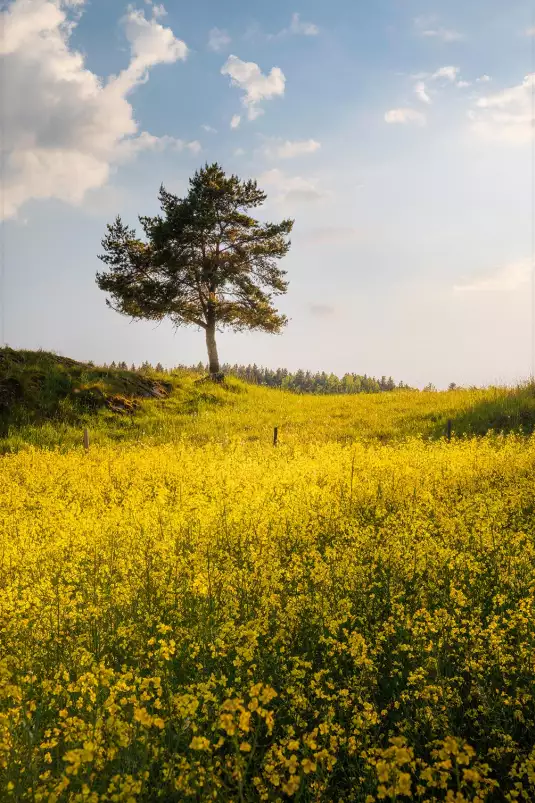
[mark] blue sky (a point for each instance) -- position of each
(395, 132)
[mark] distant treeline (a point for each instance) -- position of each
(298, 382)
(308, 382)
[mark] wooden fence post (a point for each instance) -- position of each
(86, 439)
(449, 429)
(275, 436)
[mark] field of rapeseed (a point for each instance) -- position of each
(330, 620)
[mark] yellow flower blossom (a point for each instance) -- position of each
(324, 617)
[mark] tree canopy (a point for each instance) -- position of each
(205, 260)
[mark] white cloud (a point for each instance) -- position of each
(22, 23)
(297, 28)
(505, 116)
(405, 116)
(508, 278)
(429, 28)
(65, 128)
(193, 147)
(239, 152)
(447, 73)
(303, 28)
(218, 40)
(235, 122)
(288, 149)
(129, 148)
(209, 129)
(256, 86)
(483, 79)
(444, 75)
(530, 31)
(421, 92)
(446, 34)
(158, 11)
(292, 188)
(150, 44)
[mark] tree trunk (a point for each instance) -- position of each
(213, 359)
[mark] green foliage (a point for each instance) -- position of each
(307, 382)
(206, 262)
(298, 382)
(40, 387)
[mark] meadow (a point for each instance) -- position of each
(188, 613)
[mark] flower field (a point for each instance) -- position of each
(319, 621)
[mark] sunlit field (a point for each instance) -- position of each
(203, 413)
(188, 613)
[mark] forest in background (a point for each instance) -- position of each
(299, 381)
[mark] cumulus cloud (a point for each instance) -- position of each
(287, 150)
(428, 27)
(65, 128)
(150, 44)
(235, 122)
(209, 129)
(257, 87)
(405, 116)
(507, 278)
(505, 116)
(291, 188)
(218, 40)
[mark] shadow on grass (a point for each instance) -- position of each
(508, 410)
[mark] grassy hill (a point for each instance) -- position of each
(47, 400)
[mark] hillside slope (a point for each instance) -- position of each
(47, 401)
(40, 385)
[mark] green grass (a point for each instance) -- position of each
(46, 401)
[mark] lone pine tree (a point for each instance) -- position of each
(206, 262)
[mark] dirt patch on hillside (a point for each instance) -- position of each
(124, 397)
(35, 386)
